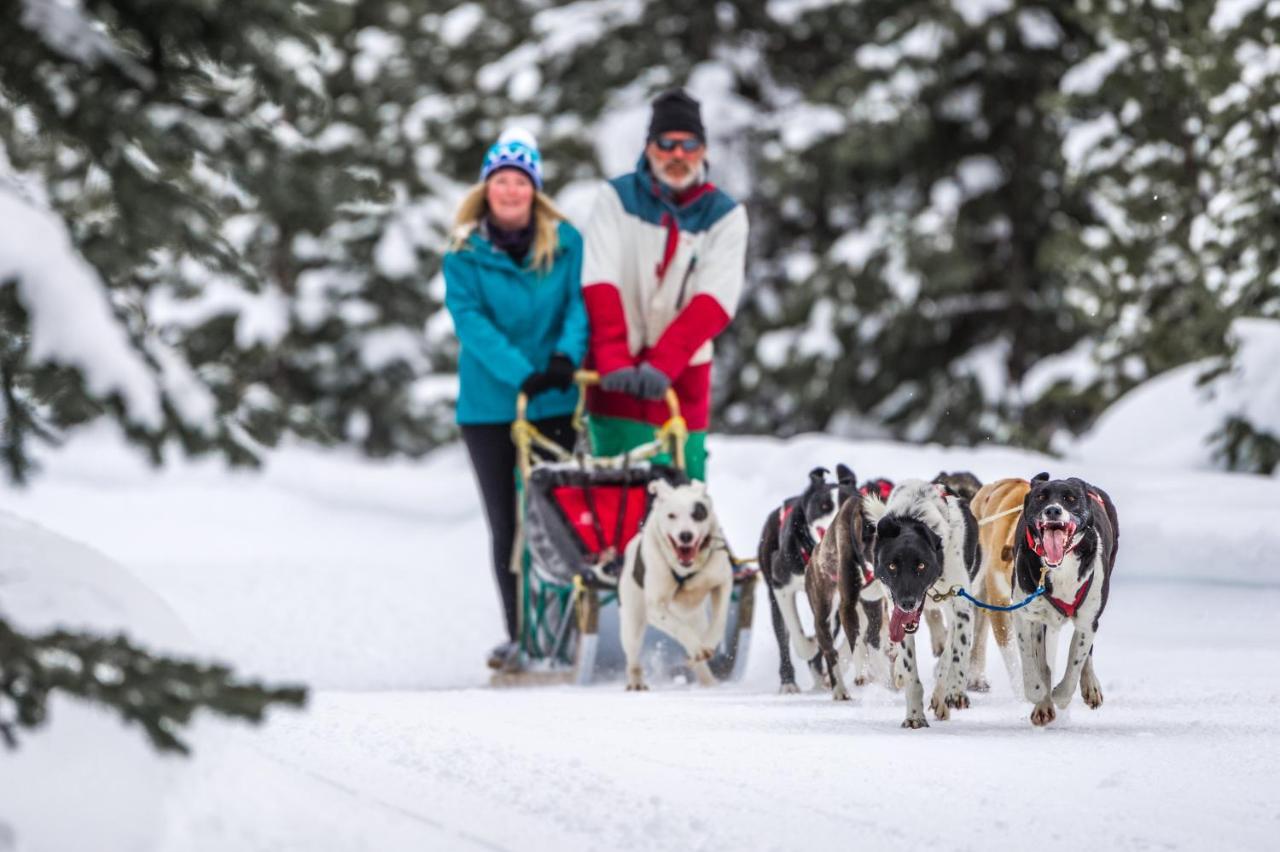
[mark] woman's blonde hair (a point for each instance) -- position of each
(546, 220)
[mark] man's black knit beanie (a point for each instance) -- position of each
(675, 110)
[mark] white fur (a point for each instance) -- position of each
(679, 610)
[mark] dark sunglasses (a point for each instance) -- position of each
(668, 144)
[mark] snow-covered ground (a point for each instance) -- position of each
(370, 582)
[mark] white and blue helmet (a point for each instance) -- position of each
(516, 148)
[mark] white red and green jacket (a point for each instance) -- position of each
(661, 278)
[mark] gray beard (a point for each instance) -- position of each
(694, 176)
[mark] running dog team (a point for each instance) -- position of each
(1025, 557)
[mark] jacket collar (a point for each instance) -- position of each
(664, 193)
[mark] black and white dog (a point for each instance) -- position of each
(1067, 539)
(790, 535)
(927, 542)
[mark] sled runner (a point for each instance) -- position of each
(577, 512)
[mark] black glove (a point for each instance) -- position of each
(560, 372)
(650, 382)
(536, 384)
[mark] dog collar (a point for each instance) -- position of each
(681, 579)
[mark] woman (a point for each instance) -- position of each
(513, 286)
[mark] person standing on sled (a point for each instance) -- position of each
(513, 278)
(663, 270)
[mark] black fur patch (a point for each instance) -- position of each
(639, 575)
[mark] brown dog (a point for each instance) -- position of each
(997, 507)
(843, 591)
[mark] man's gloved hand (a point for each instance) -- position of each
(560, 372)
(622, 380)
(650, 383)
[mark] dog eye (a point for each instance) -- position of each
(1071, 498)
(1041, 497)
(699, 512)
(671, 516)
(920, 568)
(893, 569)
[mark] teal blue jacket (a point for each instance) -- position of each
(510, 320)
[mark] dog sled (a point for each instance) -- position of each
(577, 512)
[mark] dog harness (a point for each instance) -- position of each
(1069, 609)
(807, 545)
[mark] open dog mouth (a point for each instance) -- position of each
(685, 553)
(902, 622)
(1056, 540)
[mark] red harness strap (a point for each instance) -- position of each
(1069, 609)
(783, 511)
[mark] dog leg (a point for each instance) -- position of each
(1090, 689)
(714, 633)
(937, 631)
(805, 648)
(960, 635)
(631, 625)
(915, 689)
(1002, 630)
(786, 671)
(1035, 669)
(978, 660)
(1077, 654)
(661, 617)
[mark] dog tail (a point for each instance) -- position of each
(873, 507)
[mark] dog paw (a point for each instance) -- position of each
(940, 709)
(701, 655)
(1092, 695)
(958, 700)
(914, 722)
(979, 684)
(1043, 714)
(840, 694)
(789, 689)
(861, 680)
(637, 687)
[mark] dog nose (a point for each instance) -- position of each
(1053, 513)
(686, 537)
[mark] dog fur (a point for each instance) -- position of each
(927, 541)
(996, 540)
(1069, 534)
(788, 540)
(672, 567)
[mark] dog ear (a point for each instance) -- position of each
(1043, 476)
(887, 527)
(699, 486)
(660, 487)
(846, 478)
(818, 476)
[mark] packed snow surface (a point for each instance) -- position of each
(370, 582)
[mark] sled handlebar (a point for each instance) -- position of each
(585, 379)
(670, 437)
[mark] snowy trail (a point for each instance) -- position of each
(1181, 756)
(369, 582)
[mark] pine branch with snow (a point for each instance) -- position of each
(160, 694)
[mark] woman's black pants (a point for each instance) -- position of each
(493, 458)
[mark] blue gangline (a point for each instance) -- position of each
(1037, 593)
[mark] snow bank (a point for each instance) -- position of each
(106, 773)
(1167, 422)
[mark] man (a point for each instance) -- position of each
(662, 272)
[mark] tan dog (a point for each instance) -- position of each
(997, 507)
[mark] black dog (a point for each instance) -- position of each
(1067, 536)
(790, 534)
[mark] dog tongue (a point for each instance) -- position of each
(900, 620)
(1055, 545)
